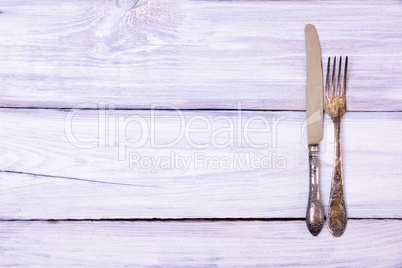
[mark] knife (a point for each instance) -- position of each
(314, 108)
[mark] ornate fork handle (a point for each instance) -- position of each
(315, 213)
(337, 218)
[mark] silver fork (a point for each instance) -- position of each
(335, 107)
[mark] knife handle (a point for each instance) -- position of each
(315, 213)
(337, 217)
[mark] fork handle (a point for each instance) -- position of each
(315, 213)
(337, 217)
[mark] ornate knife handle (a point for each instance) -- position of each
(337, 218)
(315, 213)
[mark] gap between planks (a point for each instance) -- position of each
(182, 109)
(184, 220)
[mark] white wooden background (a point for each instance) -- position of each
(66, 206)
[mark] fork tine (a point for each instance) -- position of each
(344, 78)
(338, 85)
(333, 80)
(327, 79)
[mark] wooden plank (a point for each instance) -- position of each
(366, 243)
(48, 174)
(194, 54)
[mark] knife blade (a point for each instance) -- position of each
(314, 86)
(315, 110)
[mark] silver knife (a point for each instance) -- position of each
(315, 108)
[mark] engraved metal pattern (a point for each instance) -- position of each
(335, 106)
(315, 213)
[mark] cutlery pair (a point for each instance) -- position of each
(335, 107)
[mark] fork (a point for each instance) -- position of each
(335, 107)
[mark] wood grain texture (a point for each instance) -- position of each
(194, 54)
(44, 176)
(368, 243)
